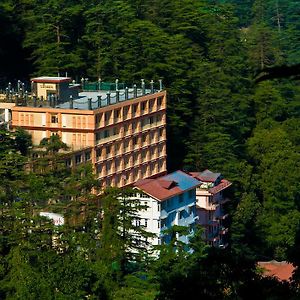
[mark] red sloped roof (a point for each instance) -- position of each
(281, 270)
(221, 186)
(159, 189)
(167, 186)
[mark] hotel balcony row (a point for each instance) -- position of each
(156, 130)
(139, 148)
(117, 177)
(147, 168)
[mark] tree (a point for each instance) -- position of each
(123, 241)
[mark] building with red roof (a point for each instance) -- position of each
(171, 200)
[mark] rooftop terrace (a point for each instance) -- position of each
(92, 95)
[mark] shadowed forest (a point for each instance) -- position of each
(231, 70)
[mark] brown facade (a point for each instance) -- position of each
(128, 138)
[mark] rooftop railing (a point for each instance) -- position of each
(89, 99)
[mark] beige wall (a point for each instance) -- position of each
(128, 139)
(42, 89)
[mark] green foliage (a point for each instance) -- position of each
(125, 242)
(53, 144)
(207, 53)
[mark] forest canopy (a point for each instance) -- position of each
(209, 55)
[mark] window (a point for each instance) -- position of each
(98, 117)
(78, 159)
(134, 109)
(152, 167)
(191, 210)
(117, 114)
(143, 105)
(135, 140)
(117, 147)
(88, 155)
(152, 151)
(159, 102)
(138, 222)
(151, 120)
(126, 161)
(136, 160)
(144, 138)
(161, 132)
(152, 136)
(134, 126)
(163, 223)
(108, 150)
(98, 136)
(99, 169)
(143, 122)
(181, 214)
(106, 116)
(158, 223)
(126, 145)
(68, 162)
(151, 104)
(117, 164)
(54, 119)
(126, 128)
(125, 112)
(146, 223)
(98, 153)
(180, 198)
(115, 131)
(108, 167)
(106, 133)
(158, 118)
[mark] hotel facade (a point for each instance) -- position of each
(122, 133)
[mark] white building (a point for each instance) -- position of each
(171, 200)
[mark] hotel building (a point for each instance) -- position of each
(122, 132)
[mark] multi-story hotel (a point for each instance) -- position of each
(122, 132)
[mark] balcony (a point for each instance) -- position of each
(223, 230)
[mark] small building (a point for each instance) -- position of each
(171, 200)
(58, 88)
(211, 200)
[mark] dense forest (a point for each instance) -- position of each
(224, 113)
